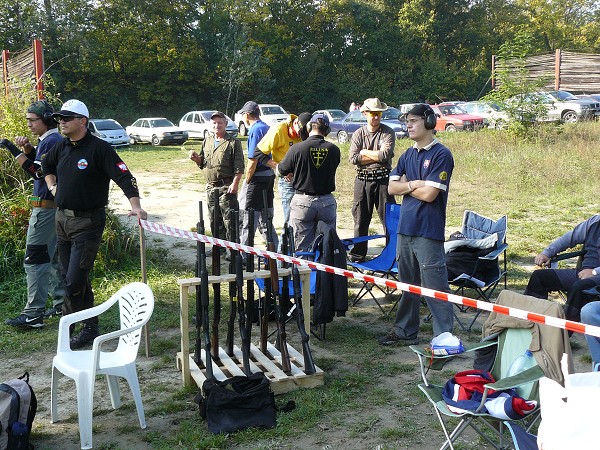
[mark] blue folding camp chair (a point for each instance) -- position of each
(384, 264)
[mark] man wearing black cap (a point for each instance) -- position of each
(273, 147)
(41, 260)
(313, 164)
(371, 151)
(222, 157)
(259, 178)
(78, 171)
(422, 177)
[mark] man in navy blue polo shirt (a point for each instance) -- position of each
(422, 177)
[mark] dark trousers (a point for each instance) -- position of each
(78, 243)
(544, 281)
(219, 198)
(368, 195)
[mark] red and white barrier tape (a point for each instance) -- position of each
(465, 301)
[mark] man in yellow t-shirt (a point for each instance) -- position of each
(273, 147)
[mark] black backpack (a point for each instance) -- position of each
(18, 406)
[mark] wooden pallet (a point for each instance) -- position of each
(269, 364)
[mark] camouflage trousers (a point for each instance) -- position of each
(220, 205)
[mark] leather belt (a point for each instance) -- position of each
(43, 203)
(75, 213)
(219, 183)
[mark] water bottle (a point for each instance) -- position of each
(520, 364)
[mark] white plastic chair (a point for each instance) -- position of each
(136, 303)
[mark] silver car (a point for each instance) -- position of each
(109, 130)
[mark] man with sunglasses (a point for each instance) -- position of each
(371, 151)
(41, 261)
(78, 171)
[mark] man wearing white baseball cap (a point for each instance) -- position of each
(78, 171)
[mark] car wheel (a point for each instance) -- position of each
(451, 127)
(242, 129)
(569, 117)
(132, 140)
(500, 124)
(155, 140)
(342, 137)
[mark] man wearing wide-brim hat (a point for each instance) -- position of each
(371, 151)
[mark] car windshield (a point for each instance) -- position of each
(390, 114)
(451, 110)
(107, 125)
(563, 95)
(271, 110)
(337, 114)
(156, 123)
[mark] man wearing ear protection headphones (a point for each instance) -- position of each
(313, 164)
(41, 261)
(273, 147)
(422, 177)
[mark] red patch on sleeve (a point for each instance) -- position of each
(122, 167)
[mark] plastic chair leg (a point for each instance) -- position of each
(134, 385)
(113, 389)
(53, 395)
(85, 399)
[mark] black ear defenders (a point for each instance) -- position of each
(430, 119)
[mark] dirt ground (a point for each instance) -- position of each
(169, 204)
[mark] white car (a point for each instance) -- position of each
(496, 117)
(109, 130)
(197, 124)
(269, 114)
(157, 131)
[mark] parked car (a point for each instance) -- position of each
(269, 114)
(496, 117)
(157, 131)
(451, 117)
(342, 129)
(332, 114)
(109, 130)
(564, 106)
(591, 98)
(198, 125)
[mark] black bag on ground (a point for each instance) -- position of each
(18, 406)
(237, 403)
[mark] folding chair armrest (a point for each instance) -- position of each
(527, 376)
(567, 255)
(496, 253)
(349, 242)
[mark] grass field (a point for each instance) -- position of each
(545, 185)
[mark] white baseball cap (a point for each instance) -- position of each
(72, 108)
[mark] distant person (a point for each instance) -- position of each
(353, 106)
(313, 164)
(222, 159)
(422, 177)
(259, 178)
(78, 171)
(41, 258)
(371, 151)
(573, 281)
(273, 147)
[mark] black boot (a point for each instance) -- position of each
(86, 336)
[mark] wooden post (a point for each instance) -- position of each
(557, 58)
(5, 56)
(145, 329)
(493, 72)
(38, 64)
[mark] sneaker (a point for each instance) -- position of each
(392, 339)
(26, 321)
(86, 336)
(54, 311)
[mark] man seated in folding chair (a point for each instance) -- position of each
(422, 177)
(573, 281)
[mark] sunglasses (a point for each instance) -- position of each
(374, 113)
(66, 118)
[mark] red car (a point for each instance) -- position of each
(451, 117)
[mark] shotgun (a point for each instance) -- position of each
(216, 270)
(242, 319)
(266, 300)
(251, 281)
(280, 316)
(204, 300)
(232, 289)
(198, 317)
(309, 364)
